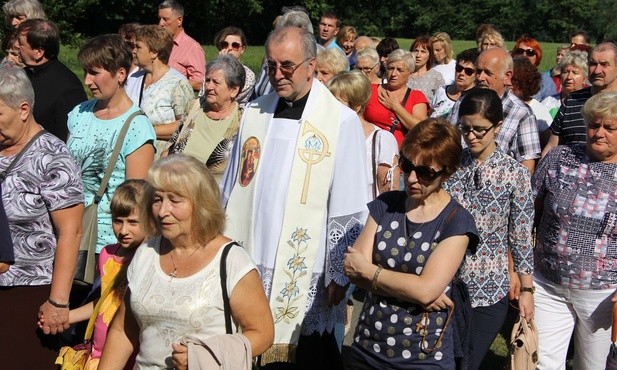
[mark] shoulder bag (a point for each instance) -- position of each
(86, 260)
(397, 121)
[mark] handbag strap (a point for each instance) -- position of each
(97, 308)
(114, 156)
(398, 120)
(374, 165)
(23, 150)
(226, 305)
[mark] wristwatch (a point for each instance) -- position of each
(529, 289)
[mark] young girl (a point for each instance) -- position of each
(112, 264)
(496, 190)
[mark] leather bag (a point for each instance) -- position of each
(524, 345)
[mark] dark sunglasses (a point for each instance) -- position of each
(478, 132)
(286, 70)
(468, 71)
(423, 173)
(529, 52)
(234, 45)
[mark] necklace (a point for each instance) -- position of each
(174, 273)
(406, 235)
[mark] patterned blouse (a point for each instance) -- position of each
(497, 193)
(577, 236)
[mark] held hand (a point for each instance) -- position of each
(387, 99)
(526, 305)
(180, 356)
(336, 293)
(354, 264)
(53, 320)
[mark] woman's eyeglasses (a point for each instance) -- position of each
(468, 71)
(234, 45)
(423, 173)
(478, 132)
(367, 70)
(529, 52)
(287, 70)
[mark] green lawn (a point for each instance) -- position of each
(254, 54)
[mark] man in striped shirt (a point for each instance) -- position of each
(187, 55)
(568, 126)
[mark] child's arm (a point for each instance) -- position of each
(82, 313)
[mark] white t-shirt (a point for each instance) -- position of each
(167, 309)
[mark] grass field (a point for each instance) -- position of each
(252, 58)
(254, 54)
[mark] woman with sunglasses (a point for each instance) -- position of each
(530, 48)
(367, 61)
(406, 257)
(465, 79)
(232, 41)
(393, 106)
(496, 189)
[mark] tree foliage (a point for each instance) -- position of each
(546, 20)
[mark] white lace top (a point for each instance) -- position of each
(167, 309)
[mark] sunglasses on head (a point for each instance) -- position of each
(424, 173)
(529, 52)
(468, 71)
(234, 45)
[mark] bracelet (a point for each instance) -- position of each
(56, 304)
(375, 277)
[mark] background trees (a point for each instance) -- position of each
(547, 20)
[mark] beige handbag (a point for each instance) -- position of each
(524, 345)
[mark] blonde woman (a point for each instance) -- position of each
(346, 38)
(329, 63)
(443, 56)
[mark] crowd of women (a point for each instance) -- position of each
(450, 210)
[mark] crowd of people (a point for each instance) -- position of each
(246, 208)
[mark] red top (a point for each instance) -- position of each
(382, 117)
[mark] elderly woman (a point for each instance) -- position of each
(575, 250)
(174, 290)
(94, 127)
(367, 61)
(17, 11)
(354, 90)
(496, 190)
(443, 62)
(394, 106)
(232, 41)
(445, 97)
(165, 92)
(423, 78)
(530, 48)
(406, 256)
(40, 211)
(346, 38)
(525, 83)
(330, 62)
(573, 74)
(211, 127)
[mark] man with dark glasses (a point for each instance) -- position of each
(518, 135)
(296, 179)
